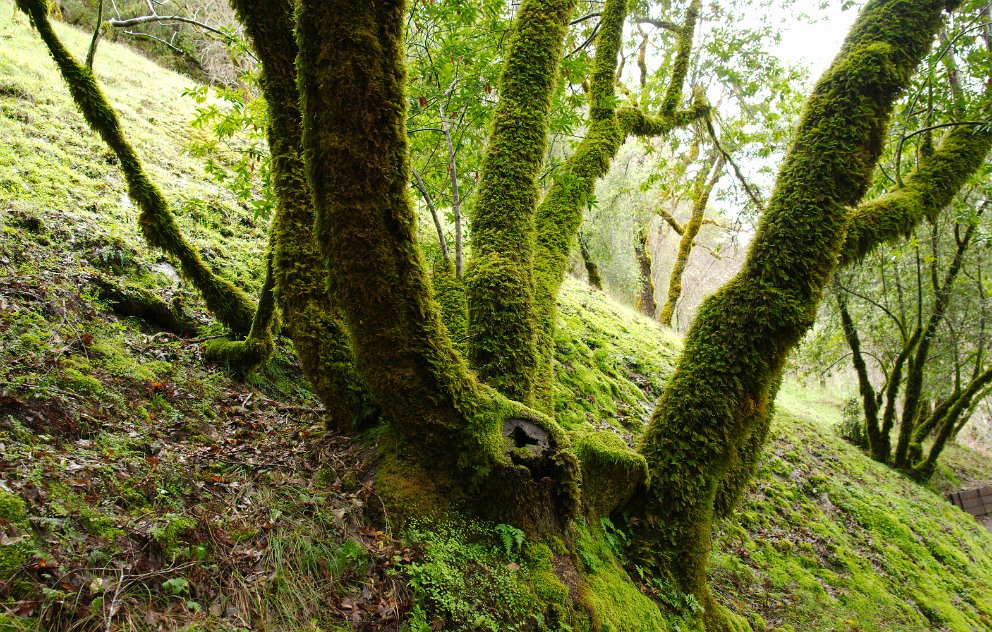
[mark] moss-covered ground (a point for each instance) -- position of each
(141, 488)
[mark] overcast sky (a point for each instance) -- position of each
(815, 44)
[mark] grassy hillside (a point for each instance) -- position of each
(142, 489)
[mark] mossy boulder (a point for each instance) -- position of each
(611, 471)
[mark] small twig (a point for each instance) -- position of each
(419, 181)
(91, 54)
(588, 41)
(584, 18)
(175, 49)
(45, 387)
(755, 198)
(453, 175)
(713, 253)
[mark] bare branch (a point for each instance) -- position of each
(584, 18)
(419, 181)
(148, 19)
(751, 193)
(455, 200)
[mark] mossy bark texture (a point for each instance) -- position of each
(449, 290)
(500, 276)
(128, 299)
(642, 253)
(560, 213)
(727, 377)
(231, 306)
(878, 443)
(925, 192)
(592, 270)
(464, 434)
(300, 278)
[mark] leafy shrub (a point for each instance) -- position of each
(852, 426)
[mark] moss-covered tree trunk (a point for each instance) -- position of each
(727, 378)
(300, 279)
(560, 214)
(592, 270)
(878, 444)
(231, 306)
(642, 254)
(459, 435)
(499, 279)
(914, 411)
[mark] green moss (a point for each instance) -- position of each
(642, 253)
(610, 471)
(241, 357)
(300, 278)
(927, 191)
(16, 554)
(592, 270)
(450, 294)
(131, 300)
(158, 225)
(706, 179)
(10, 623)
(559, 215)
(75, 375)
(98, 524)
(500, 276)
(170, 533)
(12, 508)
(611, 363)
(466, 580)
(614, 602)
(366, 228)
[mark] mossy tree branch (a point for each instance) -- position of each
(592, 270)
(300, 279)
(925, 192)
(671, 221)
(231, 306)
(720, 395)
(560, 213)
(241, 357)
(642, 254)
(500, 276)
(877, 444)
(947, 423)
